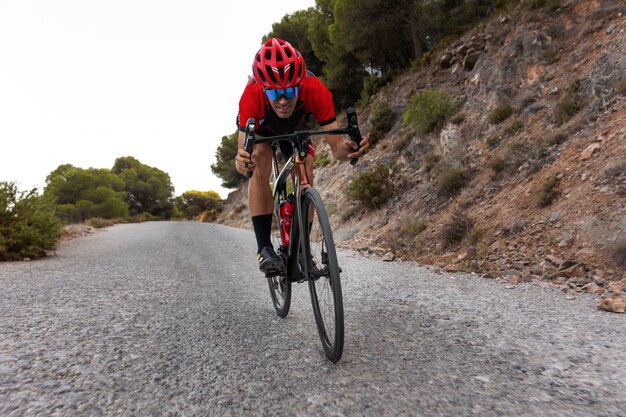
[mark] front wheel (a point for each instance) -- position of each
(322, 271)
(279, 283)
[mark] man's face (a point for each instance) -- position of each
(283, 107)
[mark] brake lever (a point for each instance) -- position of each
(248, 142)
(353, 131)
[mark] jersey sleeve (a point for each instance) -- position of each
(251, 104)
(319, 101)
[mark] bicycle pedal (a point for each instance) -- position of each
(273, 274)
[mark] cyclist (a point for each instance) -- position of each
(282, 97)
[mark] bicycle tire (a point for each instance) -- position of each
(322, 272)
(279, 284)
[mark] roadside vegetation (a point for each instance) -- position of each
(32, 222)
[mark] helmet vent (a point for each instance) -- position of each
(270, 74)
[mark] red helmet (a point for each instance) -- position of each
(278, 65)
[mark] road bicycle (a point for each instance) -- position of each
(306, 247)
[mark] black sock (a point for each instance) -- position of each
(262, 229)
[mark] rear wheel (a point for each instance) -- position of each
(322, 271)
(280, 287)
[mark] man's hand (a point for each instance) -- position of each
(362, 147)
(243, 162)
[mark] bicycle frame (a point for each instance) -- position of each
(300, 144)
(301, 181)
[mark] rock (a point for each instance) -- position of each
(568, 264)
(555, 217)
(446, 60)
(617, 287)
(589, 150)
(593, 288)
(615, 304)
(535, 108)
(470, 60)
(388, 257)
(554, 260)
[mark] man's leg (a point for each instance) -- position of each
(261, 205)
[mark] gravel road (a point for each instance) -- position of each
(173, 319)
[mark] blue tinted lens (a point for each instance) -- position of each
(275, 94)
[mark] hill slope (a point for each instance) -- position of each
(544, 197)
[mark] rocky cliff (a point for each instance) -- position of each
(541, 143)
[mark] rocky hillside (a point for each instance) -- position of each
(540, 142)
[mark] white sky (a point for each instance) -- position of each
(86, 81)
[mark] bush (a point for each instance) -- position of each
(458, 228)
(430, 109)
(411, 228)
(515, 155)
(28, 225)
(566, 108)
(450, 180)
(371, 188)
(546, 192)
(497, 164)
(404, 141)
(382, 118)
(515, 126)
(322, 159)
(373, 84)
(500, 113)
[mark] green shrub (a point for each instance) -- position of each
(411, 228)
(373, 84)
(516, 154)
(547, 191)
(566, 108)
(430, 109)
(371, 188)
(497, 164)
(404, 141)
(621, 87)
(458, 227)
(500, 113)
(28, 225)
(457, 119)
(429, 161)
(322, 159)
(515, 126)
(382, 118)
(552, 56)
(450, 180)
(493, 141)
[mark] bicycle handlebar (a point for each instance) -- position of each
(352, 130)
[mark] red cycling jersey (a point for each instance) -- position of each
(314, 99)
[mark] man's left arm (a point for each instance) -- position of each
(342, 147)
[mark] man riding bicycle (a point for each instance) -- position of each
(282, 97)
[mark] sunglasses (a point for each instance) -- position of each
(276, 93)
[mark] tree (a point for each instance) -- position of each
(386, 34)
(28, 225)
(84, 193)
(205, 204)
(294, 28)
(149, 190)
(343, 72)
(224, 167)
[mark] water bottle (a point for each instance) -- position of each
(286, 213)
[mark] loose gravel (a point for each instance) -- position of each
(174, 319)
